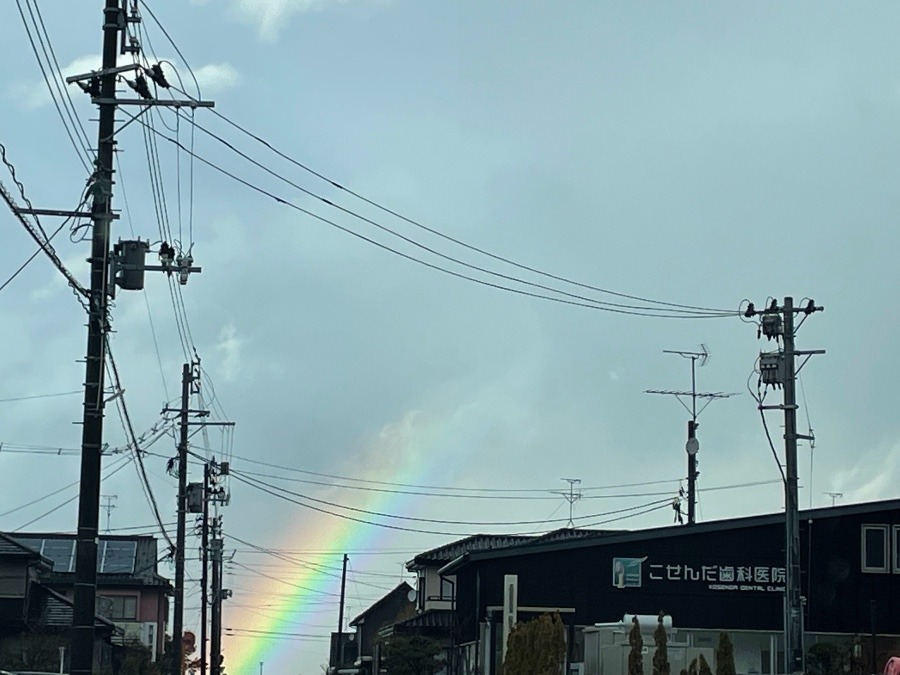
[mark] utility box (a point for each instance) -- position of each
(131, 259)
(195, 498)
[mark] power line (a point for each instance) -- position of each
(283, 494)
(37, 396)
(53, 93)
(41, 241)
(122, 464)
(430, 249)
(129, 429)
(459, 242)
(446, 488)
(592, 304)
(61, 87)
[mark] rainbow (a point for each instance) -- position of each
(287, 637)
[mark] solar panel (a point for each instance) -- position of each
(117, 557)
(61, 552)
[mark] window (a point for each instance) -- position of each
(875, 548)
(446, 589)
(896, 549)
(117, 607)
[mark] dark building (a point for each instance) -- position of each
(376, 622)
(718, 576)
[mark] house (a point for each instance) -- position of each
(375, 623)
(35, 621)
(723, 575)
(130, 591)
(435, 591)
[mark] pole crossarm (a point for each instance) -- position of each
(144, 102)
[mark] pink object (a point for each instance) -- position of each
(892, 667)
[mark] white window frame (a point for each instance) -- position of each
(895, 539)
(885, 531)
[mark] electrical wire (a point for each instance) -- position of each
(129, 429)
(118, 467)
(42, 243)
(446, 488)
(449, 238)
(647, 312)
(429, 249)
(284, 495)
(80, 150)
(762, 416)
(39, 396)
(61, 85)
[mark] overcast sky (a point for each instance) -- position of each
(693, 153)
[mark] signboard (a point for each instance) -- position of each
(634, 572)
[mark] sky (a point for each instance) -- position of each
(692, 153)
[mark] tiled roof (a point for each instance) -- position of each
(440, 619)
(477, 542)
(49, 609)
(9, 546)
(402, 589)
(568, 533)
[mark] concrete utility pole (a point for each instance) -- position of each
(187, 380)
(692, 447)
(339, 659)
(216, 554)
(192, 498)
(779, 368)
(101, 86)
(82, 656)
(204, 572)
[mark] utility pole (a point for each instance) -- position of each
(189, 375)
(192, 498)
(778, 368)
(217, 495)
(339, 660)
(204, 573)
(216, 554)
(692, 446)
(82, 657)
(101, 86)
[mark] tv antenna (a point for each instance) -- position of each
(109, 503)
(572, 496)
(693, 445)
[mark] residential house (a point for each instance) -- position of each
(374, 625)
(130, 591)
(35, 621)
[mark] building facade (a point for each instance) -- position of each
(719, 576)
(131, 593)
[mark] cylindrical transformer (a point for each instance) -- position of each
(133, 255)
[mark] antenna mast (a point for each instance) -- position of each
(693, 445)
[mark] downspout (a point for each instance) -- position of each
(452, 649)
(477, 620)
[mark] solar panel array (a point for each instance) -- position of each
(113, 556)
